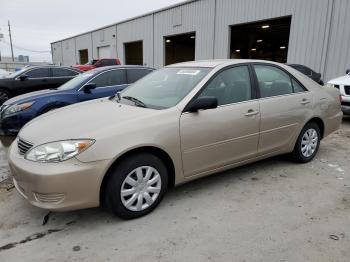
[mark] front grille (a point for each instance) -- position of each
(347, 90)
(23, 146)
(345, 103)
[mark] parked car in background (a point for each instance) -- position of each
(317, 77)
(34, 78)
(4, 73)
(343, 84)
(98, 63)
(177, 124)
(97, 83)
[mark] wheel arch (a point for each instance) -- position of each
(320, 124)
(164, 156)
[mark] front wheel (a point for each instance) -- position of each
(307, 144)
(136, 186)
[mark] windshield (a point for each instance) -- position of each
(71, 84)
(166, 87)
(91, 62)
(17, 73)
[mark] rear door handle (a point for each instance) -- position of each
(251, 112)
(305, 101)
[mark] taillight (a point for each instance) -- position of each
(340, 99)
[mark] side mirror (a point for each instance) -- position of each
(23, 77)
(88, 87)
(202, 103)
(348, 71)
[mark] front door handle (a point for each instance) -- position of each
(305, 101)
(251, 112)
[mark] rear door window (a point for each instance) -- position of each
(110, 78)
(273, 81)
(136, 74)
(63, 72)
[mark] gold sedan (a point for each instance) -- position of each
(180, 123)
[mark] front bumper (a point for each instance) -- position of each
(345, 105)
(11, 124)
(64, 186)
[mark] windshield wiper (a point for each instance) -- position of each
(135, 100)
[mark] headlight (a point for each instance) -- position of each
(58, 151)
(17, 108)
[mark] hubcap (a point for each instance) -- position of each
(141, 188)
(309, 142)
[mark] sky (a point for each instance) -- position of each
(37, 23)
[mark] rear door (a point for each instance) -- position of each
(284, 105)
(61, 76)
(37, 79)
(108, 83)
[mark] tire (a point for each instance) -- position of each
(306, 149)
(4, 96)
(130, 205)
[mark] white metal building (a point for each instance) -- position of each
(314, 33)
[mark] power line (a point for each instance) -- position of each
(25, 49)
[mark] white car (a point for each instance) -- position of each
(4, 73)
(343, 84)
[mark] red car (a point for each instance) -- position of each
(98, 63)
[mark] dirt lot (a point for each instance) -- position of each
(273, 210)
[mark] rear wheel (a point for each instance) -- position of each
(4, 96)
(307, 144)
(136, 186)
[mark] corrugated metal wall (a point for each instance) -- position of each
(193, 17)
(338, 50)
(140, 29)
(319, 35)
(83, 42)
(105, 37)
(68, 52)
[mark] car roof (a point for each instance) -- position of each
(103, 68)
(50, 66)
(219, 62)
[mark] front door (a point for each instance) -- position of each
(228, 134)
(107, 83)
(37, 79)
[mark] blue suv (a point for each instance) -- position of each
(97, 83)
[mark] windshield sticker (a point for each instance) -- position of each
(188, 72)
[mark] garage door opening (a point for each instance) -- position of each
(133, 53)
(266, 40)
(83, 56)
(180, 48)
(104, 52)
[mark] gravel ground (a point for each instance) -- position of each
(273, 210)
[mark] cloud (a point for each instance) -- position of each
(37, 23)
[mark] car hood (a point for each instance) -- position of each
(343, 80)
(32, 96)
(90, 119)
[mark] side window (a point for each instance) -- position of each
(107, 62)
(230, 86)
(136, 74)
(297, 87)
(62, 72)
(110, 78)
(38, 73)
(273, 81)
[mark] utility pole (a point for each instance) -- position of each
(13, 59)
